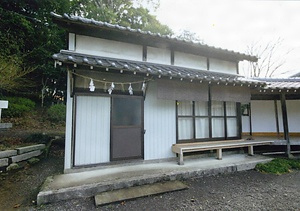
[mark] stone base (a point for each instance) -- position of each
(5, 125)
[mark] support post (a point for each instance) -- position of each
(250, 150)
(219, 154)
(250, 119)
(181, 158)
(285, 124)
(276, 118)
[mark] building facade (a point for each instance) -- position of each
(132, 94)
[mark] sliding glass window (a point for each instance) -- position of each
(199, 121)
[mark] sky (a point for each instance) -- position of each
(234, 25)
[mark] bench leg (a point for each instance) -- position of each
(219, 154)
(181, 158)
(250, 150)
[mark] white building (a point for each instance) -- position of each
(132, 94)
(275, 111)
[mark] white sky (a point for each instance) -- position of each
(233, 24)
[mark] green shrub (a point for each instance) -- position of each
(38, 138)
(57, 113)
(278, 166)
(17, 106)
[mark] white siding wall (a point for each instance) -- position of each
(68, 135)
(245, 124)
(92, 134)
(280, 122)
(222, 66)
(293, 109)
(158, 55)
(160, 125)
(71, 41)
(190, 60)
(263, 116)
(108, 48)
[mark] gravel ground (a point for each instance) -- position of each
(249, 190)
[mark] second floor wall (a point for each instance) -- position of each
(122, 50)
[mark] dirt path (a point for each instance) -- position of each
(248, 190)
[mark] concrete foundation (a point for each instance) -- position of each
(18, 158)
(22, 150)
(91, 183)
(3, 162)
(7, 153)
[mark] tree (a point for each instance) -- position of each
(12, 77)
(121, 12)
(269, 59)
(189, 36)
(27, 32)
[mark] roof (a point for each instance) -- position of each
(281, 83)
(99, 25)
(297, 75)
(158, 70)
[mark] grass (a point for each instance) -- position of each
(278, 166)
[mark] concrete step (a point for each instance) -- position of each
(138, 191)
(90, 183)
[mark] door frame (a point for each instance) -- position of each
(142, 128)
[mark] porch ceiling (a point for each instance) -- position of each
(152, 69)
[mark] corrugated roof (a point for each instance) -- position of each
(100, 24)
(153, 69)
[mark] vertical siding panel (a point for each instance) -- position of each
(263, 116)
(160, 125)
(68, 138)
(92, 130)
(293, 108)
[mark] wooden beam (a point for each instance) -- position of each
(285, 124)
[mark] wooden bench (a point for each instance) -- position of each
(216, 145)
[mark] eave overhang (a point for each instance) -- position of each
(97, 63)
(279, 85)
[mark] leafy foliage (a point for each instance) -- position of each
(121, 12)
(17, 106)
(278, 166)
(29, 35)
(57, 113)
(190, 36)
(12, 77)
(27, 32)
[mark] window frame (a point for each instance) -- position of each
(210, 117)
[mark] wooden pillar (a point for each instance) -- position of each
(276, 118)
(250, 119)
(285, 124)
